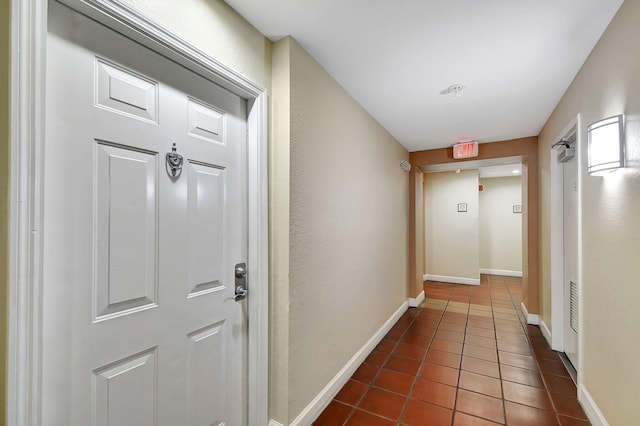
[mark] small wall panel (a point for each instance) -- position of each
(125, 232)
(206, 378)
(206, 122)
(125, 392)
(126, 92)
(206, 225)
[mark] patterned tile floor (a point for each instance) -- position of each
(465, 357)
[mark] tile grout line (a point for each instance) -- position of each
(464, 339)
(499, 295)
(370, 384)
(504, 403)
(417, 375)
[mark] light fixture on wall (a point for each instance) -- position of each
(606, 145)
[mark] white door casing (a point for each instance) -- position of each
(28, 40)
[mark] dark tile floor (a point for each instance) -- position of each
(465, 357)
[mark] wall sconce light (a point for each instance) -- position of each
(606, 146)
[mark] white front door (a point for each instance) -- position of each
(140, 322)
(570, 257)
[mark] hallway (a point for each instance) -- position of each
(465, 357)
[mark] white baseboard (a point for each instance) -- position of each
(533, 319)
(414, 303)
(274, 423)
(320, 402)
(591, 408)
(454, 280)
(502, 272)
(545, 332)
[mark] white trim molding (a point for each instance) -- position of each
(320, 402)
(590, 407)
(415, 302)
(501, 272)
(533, 319)
(545, 331)
(126, 20)
(28, 36)
(28, 70)
(454, 280)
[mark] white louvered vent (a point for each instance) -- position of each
(573, 290)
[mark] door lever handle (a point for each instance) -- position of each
(241, 293)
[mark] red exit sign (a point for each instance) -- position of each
(465, 150)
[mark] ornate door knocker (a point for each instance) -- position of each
(174, 162)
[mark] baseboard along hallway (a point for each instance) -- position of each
(464, 357)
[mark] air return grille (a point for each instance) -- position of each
(573, 290)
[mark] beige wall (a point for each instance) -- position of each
(607, 84)
(279, 200)
(348, 219)
(5, 29)
(500, 228)
(216, 29)
(451, 237)
(416, 270)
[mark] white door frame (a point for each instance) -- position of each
(557, 242)
(28, 47)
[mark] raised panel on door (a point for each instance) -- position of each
(206, 228)
(125, 392)
(206, 122)
(126, 227)
(125, 92)
(207, 376)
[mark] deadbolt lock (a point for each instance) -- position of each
(241, 281)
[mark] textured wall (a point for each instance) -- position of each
(452, 237)
(608, 84)
(500, 228)
(415, 271)
(279, 160)
(348, 219)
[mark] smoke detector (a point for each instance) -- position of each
(457, 90)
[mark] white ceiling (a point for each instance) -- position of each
(515, 58)
(500, 171)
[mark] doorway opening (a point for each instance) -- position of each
(474, 219)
